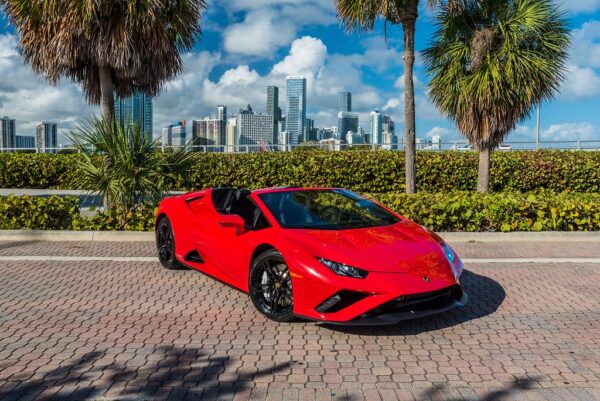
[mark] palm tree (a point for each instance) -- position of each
(491, 62)
(121, 163)
(106, 46)
(363, 14)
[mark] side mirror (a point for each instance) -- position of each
(233, 221)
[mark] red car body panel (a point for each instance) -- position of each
(402, 259)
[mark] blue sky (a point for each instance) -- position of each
(248, 45)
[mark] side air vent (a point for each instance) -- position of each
(194, 257)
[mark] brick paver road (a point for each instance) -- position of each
(88, 330)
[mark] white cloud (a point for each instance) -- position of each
(260, 34)
(270, 25)
(306, 56)
(579, 6)
(581, 82)
(585, 50)
(445, 133)
(570, 132)
(29, 99)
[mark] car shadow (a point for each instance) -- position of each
(485, 297)
(187, 374)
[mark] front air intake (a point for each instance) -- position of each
(339, 301)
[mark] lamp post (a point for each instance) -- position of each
(537, 136)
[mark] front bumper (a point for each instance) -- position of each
(411, 307)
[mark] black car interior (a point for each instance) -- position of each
(237, 201)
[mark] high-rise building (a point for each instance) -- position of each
(231, 136)
(174, 135)
(25, 142)
(388, 131)
(376, 128)
(46, 137)
(135, 110)
(347, 123)
(208, 132)
(295, 105)
(310, 134)
(273, 102)
(255, 129)
(345, 102)
(7, 133)
(222, 113)
(274, 110)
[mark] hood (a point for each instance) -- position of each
(404, 247)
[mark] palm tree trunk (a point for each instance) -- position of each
(408, 26)
(107, 100)
(483, 180)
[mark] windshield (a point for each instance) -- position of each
(326, 210)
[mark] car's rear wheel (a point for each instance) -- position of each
(270, 286)
(165, 244)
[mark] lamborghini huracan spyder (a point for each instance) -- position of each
(324, 254)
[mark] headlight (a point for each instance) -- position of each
(344, 270)
(449, 254)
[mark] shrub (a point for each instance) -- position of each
(507, 211)
(364, 171)
(38, 213)
(453, 211)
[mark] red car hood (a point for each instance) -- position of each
(404, 247)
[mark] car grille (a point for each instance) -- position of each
(418, 302)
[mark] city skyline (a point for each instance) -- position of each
(232, 65)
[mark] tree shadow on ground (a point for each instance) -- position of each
(15, 244)
(509, 392)
(186, 374)
(485, 297)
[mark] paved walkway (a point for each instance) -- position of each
(88, 330)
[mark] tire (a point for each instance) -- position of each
(270, 286)
(165, 244)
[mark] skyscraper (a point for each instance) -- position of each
(273, 109)
(135, 109)
(8, 134)
(46, 137)
(295, 104)
(345, 102)
(347, 123)
(376, 128)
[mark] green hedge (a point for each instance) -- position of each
(505, 211)
(38, 213)
(453, 211)
(362, 171)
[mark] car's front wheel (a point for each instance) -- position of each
(270, 286)
(165, 244)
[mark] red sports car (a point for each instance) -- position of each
(325, 254)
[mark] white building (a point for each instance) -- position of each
(376, 128)
(46, 135)
(174, 135)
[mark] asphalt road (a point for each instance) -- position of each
(82, 321)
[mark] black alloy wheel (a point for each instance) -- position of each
(165, 244)
(270, 286)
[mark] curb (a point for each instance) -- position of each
(137, 236)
